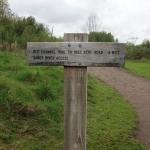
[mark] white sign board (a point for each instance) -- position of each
(76, 54)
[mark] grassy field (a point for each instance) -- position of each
(31, 104)
(139, 67)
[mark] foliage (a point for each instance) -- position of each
(101, 37)
(146, 43)
(92, 24)
(7, 35)
(5, 11)
(141, 51)
(17, 31)
(31, 116)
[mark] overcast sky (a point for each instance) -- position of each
(125, 19)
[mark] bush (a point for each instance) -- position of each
(137, 52)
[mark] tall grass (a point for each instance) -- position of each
(31, 104)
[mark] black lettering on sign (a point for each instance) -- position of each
(49, 57)
(35, 51)
(69, 52)
(87, 52)
(61, 52)
(38, 57)
(115, 52)
(77, 52)
(98, 52)
(61, 58)
(48, 51)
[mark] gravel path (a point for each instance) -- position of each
(134, 89)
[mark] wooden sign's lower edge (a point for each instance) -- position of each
(78, 65)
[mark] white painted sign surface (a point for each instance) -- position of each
(76, 54)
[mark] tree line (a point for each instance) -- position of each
(17, 31)
(141, 51)
(92, 26)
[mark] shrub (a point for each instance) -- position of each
(137, 52)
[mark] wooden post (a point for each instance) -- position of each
(75, 91)
(75, 57)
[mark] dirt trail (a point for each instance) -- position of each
(134, 89)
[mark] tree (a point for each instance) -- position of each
(2, 36)
(28, 35)
(31, 21)
(20, 30)
(6, 24)
(19, 23)
(40, 28)
(101, 37)
(92, 26)
(5, 10)
(146, 43)
(93, 23)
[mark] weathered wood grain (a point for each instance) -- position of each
(75, 37)
(75, 79)
(76, 53)
(75, 108)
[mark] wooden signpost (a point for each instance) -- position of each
(75, 54)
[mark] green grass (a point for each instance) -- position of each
(139, 67)
(31, 104)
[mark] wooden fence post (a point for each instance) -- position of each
(75, 91)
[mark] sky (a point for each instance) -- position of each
(127, 20)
